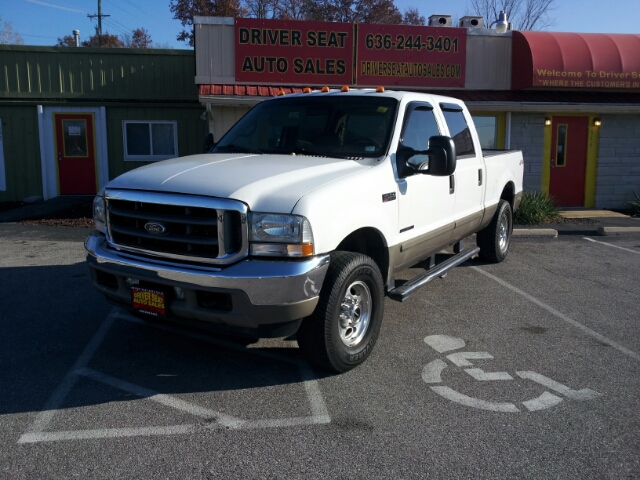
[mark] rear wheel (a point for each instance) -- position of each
(344, 327)
(493, 240)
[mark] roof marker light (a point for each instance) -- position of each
(380, 89)
(306, 90)
(344, 89)
(280, 92)
(324, 89)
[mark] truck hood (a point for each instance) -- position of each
(267, 183)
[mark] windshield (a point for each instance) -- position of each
(336, 126)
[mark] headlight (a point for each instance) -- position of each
(98, 212)
(280, 235)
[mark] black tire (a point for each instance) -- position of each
(336, 345)
(493, 240)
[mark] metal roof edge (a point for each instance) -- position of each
(205, 20)
(555, 107)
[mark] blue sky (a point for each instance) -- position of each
(40, 22)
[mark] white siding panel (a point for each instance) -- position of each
(223, 118)
(215, 53)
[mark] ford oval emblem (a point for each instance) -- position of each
(155, 228)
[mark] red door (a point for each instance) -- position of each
(568, 160)
(76, 153)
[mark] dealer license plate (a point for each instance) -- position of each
(151, 302)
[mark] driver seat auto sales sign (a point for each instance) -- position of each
(317, 53)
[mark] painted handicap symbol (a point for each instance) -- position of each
(432, 372)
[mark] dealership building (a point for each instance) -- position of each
(569, 101)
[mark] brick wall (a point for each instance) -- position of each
(618, 161)
(618, 171)
(527, 134)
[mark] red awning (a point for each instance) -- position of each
(586, 61)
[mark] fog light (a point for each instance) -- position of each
(131, 282)
(179, 293)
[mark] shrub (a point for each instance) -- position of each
(535, 209)
(634, 205)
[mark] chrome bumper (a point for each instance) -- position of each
(262, 291)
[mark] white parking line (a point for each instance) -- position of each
(43, 419)
(36, 432)
(612, 245)
(562, 316)
(106, 433)
(167, 400)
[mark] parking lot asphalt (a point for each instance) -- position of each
(526, 369)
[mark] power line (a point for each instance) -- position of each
(136, 7)
(121, 24)
(125, 11)
(37, 36)
(116, 27)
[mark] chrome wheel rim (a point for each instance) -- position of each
(503, 233)
(355, 313)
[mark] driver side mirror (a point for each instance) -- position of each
(440, 161)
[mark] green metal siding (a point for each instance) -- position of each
(191, 132)
(102, 74)
(21, 152)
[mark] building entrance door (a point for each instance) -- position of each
(568, 160)
(75, 153)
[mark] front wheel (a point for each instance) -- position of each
(344, 327)
(493, 240)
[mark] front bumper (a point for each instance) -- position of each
(256, 292)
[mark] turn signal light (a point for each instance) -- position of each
(344, 89)
(324, 89)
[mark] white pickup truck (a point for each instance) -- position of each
(300, 218)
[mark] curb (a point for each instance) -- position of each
(535, 232)
(604, 231)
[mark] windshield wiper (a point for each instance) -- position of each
(238, 148)
(305, 151)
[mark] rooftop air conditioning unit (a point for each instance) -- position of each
(440, 21)
(470, 21)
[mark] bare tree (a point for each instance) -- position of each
(139, 38)
(411, 16)
(262, 8)
(290, 9)
(524, 14)
(66, 41)
(361, 11)
(8, 36)
(185, 10)
(108, 41)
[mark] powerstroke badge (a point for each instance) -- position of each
(388, 197)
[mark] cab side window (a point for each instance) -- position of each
(419, 125)
(459, 131)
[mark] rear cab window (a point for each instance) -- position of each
(458, 130)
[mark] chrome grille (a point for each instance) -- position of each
(176, 226)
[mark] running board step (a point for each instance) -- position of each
(402, 292)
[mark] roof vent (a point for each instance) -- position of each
(471, 21)
(440, 20)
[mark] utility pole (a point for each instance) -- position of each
(99, 17)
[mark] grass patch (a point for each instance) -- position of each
(634, 206)
(536, 209)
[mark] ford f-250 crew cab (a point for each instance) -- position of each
(300, 218)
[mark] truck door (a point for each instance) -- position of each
(469, 176)
(426, 202)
